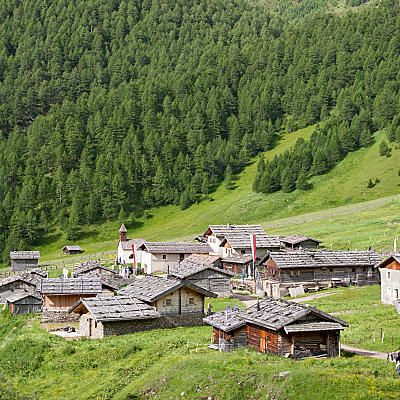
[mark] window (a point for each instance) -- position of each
(168, 302)
(191, 300)
(243, 252)
(294, 273)
(164, 256)
(95, 324)
(396, 294)
(388, 275)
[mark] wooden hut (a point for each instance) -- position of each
(93, 268)
(72, 249)
(237, 263)
(181, 301)
(21, 260)
(318, 269)
(16, 283)
(116, 315)
(207, 276)
(281, 327)
(298, 242)
(22, 302)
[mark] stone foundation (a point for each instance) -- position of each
(59, 316)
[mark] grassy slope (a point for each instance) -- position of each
(344, 185)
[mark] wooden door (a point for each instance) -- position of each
(263, 341)
(90, 327)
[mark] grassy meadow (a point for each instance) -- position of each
(338, 209)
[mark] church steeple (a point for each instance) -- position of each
(123, 233)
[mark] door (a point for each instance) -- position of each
(263, 341)
(90, 327)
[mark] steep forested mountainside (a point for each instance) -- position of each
(109, 106)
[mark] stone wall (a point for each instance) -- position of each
(59, 316)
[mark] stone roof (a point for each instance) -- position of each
(19, 295)
(176, 247)
(88, 266)
(236, 258)
(73, 248)
(313, 327)
(127, 244)
(115, 308)
(70, 286)
(203, 258)
(151, 288)
(186, 268)
(324, 258)
(296, 239)
(238, 236)
(30, 279)
(274, 314)
(24, 255)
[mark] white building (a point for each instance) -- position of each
(226, 240)
(157, 256)
(125, 251)
(390, 279)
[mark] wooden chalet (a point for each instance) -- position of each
(390, 279)
(157, 256)
(237, 263)
(207, 276)
(21, 260)
(279, 327)
(25, 282)
(21, 302)
(93, 268)
(72, 250)
(180, 300)
(318, 269)
(114, 315)
(299, 242)
(229, 239)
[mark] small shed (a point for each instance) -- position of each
(117, 315)
(229, 329)
(21, 260)
(93, 268)
(181, 301)
(22, 302)
(237, 263)
(16, 283)
(207, 276)
(298, 242)
(74, 249)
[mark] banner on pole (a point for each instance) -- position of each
(134, 256)
(253, 246)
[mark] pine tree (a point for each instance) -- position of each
(121, 216)
(302, 182)
(228, 178)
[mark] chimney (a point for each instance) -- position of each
(123, 234)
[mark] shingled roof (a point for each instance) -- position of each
(73, 248)
(238, 236)
(24, 255)
(275, 314)
(19, 295)
(127, 244)
(296, 239)
(89, 266)
(70, 286)
(151, 288)
(115, 308)
(203, 258)
(176, 247)
(236, 258)
(30, 279)
(324, 258)
(186, 268)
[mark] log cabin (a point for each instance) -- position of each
(22, 302)
(237, 263)
(25, 282)
(298, 242)
(22, 260)
(100, 317)
(207, 276)
(181, 301)
(93, 268)
(157, 256)
(390, 279)
(71, 250)
(279, 327)
(318, 269)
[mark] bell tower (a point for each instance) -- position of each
(123, 233)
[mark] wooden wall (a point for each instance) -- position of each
(62, 302)
(394, 265)
(262, 339)
(179, 303)
(212, 280)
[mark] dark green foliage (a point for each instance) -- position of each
(384, 149)
(370, 184)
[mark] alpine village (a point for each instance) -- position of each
(199, 199)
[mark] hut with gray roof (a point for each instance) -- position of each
(93, 268)
(318, 269)
(237, 263)
(100, 316)
(21, 282)
(279, 327)
(157, 256)
(21, 260)
(299, 242)
(205, 274)
(179, 301)
(72, 249)
(22, 302)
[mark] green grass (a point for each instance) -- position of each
(337, 209)
(362, 309)
(158, 365)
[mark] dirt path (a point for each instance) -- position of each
(314, 296)
(365, 353)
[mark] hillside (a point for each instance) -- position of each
(337, 195)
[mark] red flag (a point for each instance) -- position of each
(253, 245)
(134, 256)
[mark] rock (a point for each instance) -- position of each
(284, 373)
